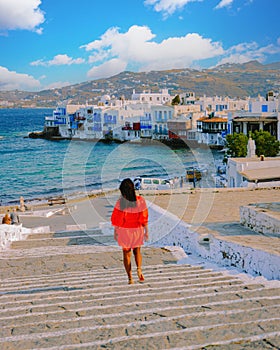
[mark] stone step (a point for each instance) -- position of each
(89, 306)
(244, 310)
(54, 295)
(40, 235)
(134, 301)
(174, 272)
(12, 295)
(63, 241)
(88, 232)
(64, 234)
(94, 295)
(88, 294)
(178, 306)
(163, 332)
(177, 276)
(51, 260)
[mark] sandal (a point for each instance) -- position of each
(130, 281)
(140, 275)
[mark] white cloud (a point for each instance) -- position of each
(168, 7)
(224, 3)
(98, 57)
(13, 80)
(21, 14)
(136, 47)
(107, 69)
(245, 52)
(137, 50)
(57, 85)
(58, 60)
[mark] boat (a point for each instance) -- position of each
(193, 174)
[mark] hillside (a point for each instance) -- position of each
(233, 80)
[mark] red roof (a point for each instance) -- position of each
(213, 120)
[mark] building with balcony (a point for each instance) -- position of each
(212, 130)
(263, 114)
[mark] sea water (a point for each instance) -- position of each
(38, 169)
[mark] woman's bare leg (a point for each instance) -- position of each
(138, 261)
(137, 257)
(127, 263)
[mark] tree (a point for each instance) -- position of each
(266, 144)
(236, 145)
(176, 100)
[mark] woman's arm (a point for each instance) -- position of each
(146, 232)
(115, 234)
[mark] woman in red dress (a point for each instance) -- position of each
(130, 221)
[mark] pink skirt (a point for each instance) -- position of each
(130, 237)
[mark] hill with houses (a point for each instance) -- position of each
(233, 80)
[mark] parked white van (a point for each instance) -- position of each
(151, 183)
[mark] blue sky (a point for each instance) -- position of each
(47, 43)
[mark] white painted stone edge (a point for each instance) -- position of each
(168, 230)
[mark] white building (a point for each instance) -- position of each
(253, 172)
(263, 114)
(161, 97)
(161, 114)
(187, 98)
(220, 104)
(212, 130)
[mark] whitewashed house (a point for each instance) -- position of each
(221, 104)
(263, 114)
(161, 97)
(253, 172)
(161, 114)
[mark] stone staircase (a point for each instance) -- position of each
(63, 238)
(58, 294)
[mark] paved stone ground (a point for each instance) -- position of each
(68, 290)
(216, 211)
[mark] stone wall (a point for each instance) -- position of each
(167, 230)
(10, 233)
(263, 218)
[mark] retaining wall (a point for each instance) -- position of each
(167, 230)
(11, 233)
(262, 218)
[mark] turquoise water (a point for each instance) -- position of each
(37, 169)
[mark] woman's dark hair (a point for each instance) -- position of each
(128, 198)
